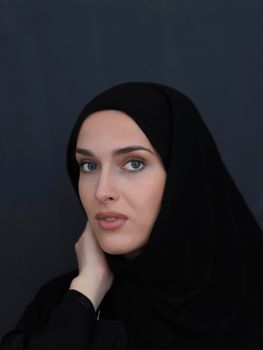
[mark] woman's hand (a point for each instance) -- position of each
(94, 278)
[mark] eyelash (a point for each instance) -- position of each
(135, 159)
(129, 160)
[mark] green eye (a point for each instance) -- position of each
(88, 166)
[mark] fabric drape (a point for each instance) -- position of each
(198, 281)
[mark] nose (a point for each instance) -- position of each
(106, 189)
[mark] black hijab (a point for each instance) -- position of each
(198, 281)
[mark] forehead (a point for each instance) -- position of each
(110, 127)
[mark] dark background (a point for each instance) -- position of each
(56, 55)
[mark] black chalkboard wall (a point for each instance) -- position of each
(55, 55)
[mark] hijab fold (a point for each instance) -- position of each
(191, 283)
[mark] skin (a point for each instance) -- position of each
(128, 182)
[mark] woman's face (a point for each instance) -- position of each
(121, 181)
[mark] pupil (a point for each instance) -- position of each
(136, 164)
(91, 166)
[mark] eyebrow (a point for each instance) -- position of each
(116, 152)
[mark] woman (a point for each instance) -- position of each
(171, 256)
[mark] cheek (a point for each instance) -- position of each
(86, 195)
(152, 192)
(149, 201)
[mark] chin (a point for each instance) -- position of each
(115, 251)
(119, 243)
(120, 249)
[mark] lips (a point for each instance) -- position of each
(110, 220)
